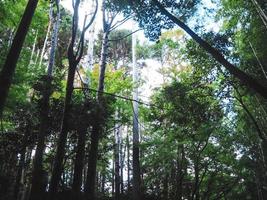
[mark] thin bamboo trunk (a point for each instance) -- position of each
(136, 163)
(258, 60)
(122, 159)
(261, 13)
(117, 158)
(45, 43)
(33, 48)
(38, 172)
(128, 163)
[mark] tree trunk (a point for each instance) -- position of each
(74, 57)
(113, 178)
(97, 126)
(195, 194)
(60, 151)
(21, 166)
(33, 48)
(9, 67)
(92, 160)
(128, 163)
(54, 39)
(136, 164)
(122, 156)
(38, 173)
(79, 160)
(117, 158)
(244, 78)
(179, 172)
(165, 187)
(45, 43)
(261, 13)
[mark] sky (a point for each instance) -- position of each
(150, 73)
(154, 78)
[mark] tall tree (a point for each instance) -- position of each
(74, 57)
(97, 126)
(150, 22)
(38, 188)
(136, 163)
(9, 67)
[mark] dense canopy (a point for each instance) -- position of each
(141, 100)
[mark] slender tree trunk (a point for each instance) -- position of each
(261, 134)
(136, 163)
(128, 163)
(21, 167)
(45, 43)
(179, 182)
(244, 78)
(122, 156)
(37, 175)
(258, 60)
(79, 160)
(173, 182)
(38, 172)
(179, 172)
(117, 158)
(97, 127)
(92, 160)
(195, 194)
(74, 57)
(37, 57)
(261, 13)
(26, 182)
(165, 187)
(113, 178)
(60, 151)
(9, 67)
(33, 48)
(54, 38)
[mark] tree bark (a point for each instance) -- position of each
(92, 160)
(9, 67)
(60, 151)
(195, 194)
(37, 175)
(79, 160)
(165, 187)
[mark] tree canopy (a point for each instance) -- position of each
(96, 108)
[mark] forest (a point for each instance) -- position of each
(133, 100)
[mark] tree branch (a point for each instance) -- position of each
(244, 78)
